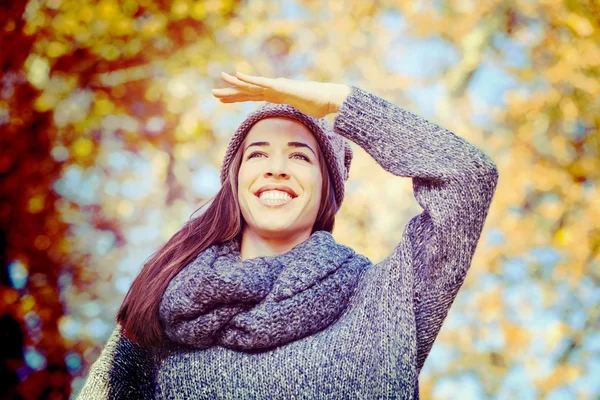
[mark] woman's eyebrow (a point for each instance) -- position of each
(290, 144)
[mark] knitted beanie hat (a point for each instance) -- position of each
(336, 150)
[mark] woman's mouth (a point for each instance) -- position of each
(274, 198)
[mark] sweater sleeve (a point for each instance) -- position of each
(96, 385)
(124, 370)
(453, 181)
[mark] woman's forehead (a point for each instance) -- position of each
(279, 130)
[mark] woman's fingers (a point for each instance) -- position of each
(231, 95)
(226, 92)
(240, 84)
(256, 80)
(237, 99)
(246, 88)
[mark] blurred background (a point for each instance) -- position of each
(110, 139)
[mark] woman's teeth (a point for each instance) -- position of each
(274, 197)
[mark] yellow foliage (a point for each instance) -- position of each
(130, 7)
(490, 305)
(103, 106)
(561, 375)
(154, 26)
(125, 208)
(56, 49)
(109, 51)
(554, 334)
(517, 337)
(551, 211)
(36, 204)
(180, 9)
(569, 109)
(559, 71)
(564, 237)
(586, 83)
(82, 148)
(121, 26)
(198, 10)
(187, 128)
(579, 24)
(45, 102)
(107, 9)
(86, 13)
(27, 303)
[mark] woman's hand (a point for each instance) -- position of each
(315, 99)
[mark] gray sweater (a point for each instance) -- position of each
(378, 346)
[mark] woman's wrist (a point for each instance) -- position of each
(339, 94)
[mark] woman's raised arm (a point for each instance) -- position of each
(454, 183)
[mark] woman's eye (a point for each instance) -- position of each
(301, 155)
(304, 157)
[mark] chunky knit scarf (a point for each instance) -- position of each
(263, 302)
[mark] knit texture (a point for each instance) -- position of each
(262, 302)
(336, 151)
(377, 348)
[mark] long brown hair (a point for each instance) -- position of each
(222, 221)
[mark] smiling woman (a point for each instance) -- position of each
(256, 299)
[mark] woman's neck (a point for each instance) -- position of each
(256, 245)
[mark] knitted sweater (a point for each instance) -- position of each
(377, 348)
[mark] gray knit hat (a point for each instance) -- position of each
(335, 148)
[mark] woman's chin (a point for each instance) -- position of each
(273, 227)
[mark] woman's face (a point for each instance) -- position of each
(281, 152)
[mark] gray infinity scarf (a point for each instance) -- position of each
(263, 302)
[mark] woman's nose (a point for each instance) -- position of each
(277, 166)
